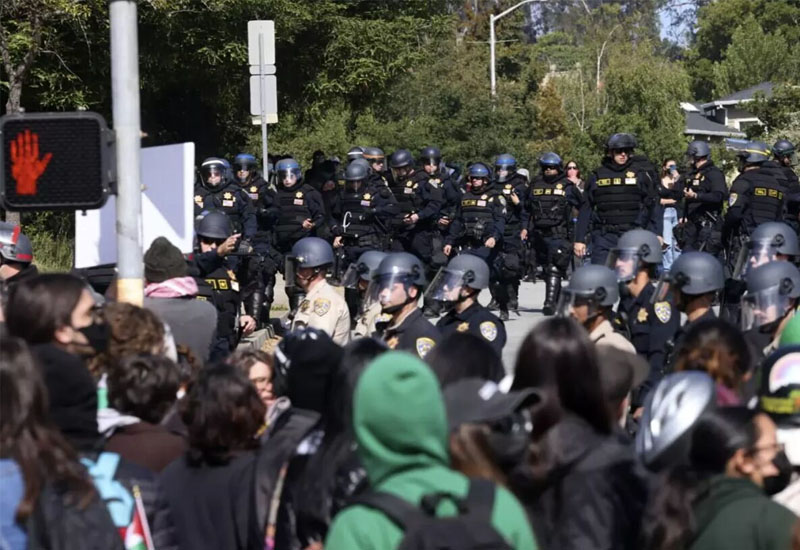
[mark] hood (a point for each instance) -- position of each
(399, 417)
(721, 491)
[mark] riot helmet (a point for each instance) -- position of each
(767, 242)
(623, 142)
(307, 253)
(375, 156)
(505, 167)
(697, 150)
(288, 173)
(393, 280)
(244, 166)
(772, 291)
(356, 174)
(213, 227)
(671, 411)
(634, 248)
(593, 286)
(478, 176)
(692, 274)
(360, 272)
(355, 153)
(754, 153)
(430, 157)
(214, 173)
(784, 150)
(548, 163)
(402, 164)
(463, 271)
(19, 252)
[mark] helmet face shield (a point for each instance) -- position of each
(446, 285)
(289, 271)
(755, 255)
(570, 301)
(354, 274)
(212, 175)
(288, 176)
(388, 289)
(762, 308)
(625, 263)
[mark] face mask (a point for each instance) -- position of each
(98, 336)
(775, 484)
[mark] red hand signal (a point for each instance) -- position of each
(26, 166)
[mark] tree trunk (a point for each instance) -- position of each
(14, 103)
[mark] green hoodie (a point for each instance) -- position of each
(401, 428)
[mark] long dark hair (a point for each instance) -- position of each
(669, 523)
(716, 347)
(463, 355)
(223, 413)
(29, 438)
(558, 358)
(39, 306)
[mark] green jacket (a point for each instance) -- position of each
(401, 428)
(736, 514)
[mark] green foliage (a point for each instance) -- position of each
(780, 115)
(52, 235)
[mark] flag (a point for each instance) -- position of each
(137, 535)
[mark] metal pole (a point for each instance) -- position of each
(492, 76)
(127, 129)
(263, 100)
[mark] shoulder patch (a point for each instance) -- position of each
(322, 306)
(424, 345)
(501, 199)
(663, 311)
(489, 330)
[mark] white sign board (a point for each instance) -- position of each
(271, 98)
(265, 30)
(167, 208)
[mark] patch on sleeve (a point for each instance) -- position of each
(424, 345)
(732, 199)
(304, 305)
(663, 311)
(489, 330)
(322, 306)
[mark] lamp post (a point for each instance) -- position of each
(493, 40)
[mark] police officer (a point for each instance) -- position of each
(514, 188)
(458, 285)
(771, 299)
(651, 322)
(397, 284)
(786, 157)
(589, 298)
(355, 152)
(357, 278)
(376, 158)
(437, 177)
(322, 307)
(548, 214)
(226, 274)
(16, 261)
(694, 280)
(619, 196)
(478, 228)
(704, 193)
(216, 191)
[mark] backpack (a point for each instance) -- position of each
(471, 529)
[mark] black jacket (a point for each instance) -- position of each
(592, 494)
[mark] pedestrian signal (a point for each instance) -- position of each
(55, 161)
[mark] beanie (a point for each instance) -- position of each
(164, 261)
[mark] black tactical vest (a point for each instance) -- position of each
(549, 203)
(618, 198)
(765, 198)
(477, 213)
(293, 210)
(357, 203)
(225, 293)
(406, 194)
(699, 182)
(513, 221)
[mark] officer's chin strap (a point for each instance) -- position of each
(391, 310)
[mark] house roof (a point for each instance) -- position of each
(698, 125)
(742, 95)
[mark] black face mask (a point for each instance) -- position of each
(98, 335)
(775, 484)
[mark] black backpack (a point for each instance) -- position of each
(471, 529)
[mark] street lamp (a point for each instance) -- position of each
(492, 40)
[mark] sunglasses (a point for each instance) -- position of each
(208, 240)
(572, 167)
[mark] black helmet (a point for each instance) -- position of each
(593, 284)
(621, 141)
(783, 148)
(780, 387)
(212, 167)
(21, 251)
(431, 154)
(671, 411)
(214, 225)
(312, 252)
(374, 154)
(355, 153)
(772, 290)
(695, 273)
(633, 247)
(465, 270)
(357, 171)
(401, 158)
(698, 149)
(755, 152)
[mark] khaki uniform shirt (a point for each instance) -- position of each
(605, 335)
(365, 324)
(326, 310)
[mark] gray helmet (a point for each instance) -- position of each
(777, 235)
(312, 252)
(695, 273)
(355, 153)
(772, 291)
(634, 246)
(214, 225)
(363, 268)
(671, 411)
(596, 283)
(783, 276)
(402, 265)
(621, 141)
(358, 170)
(401, 158)
(698, 149)
(373, 154)
(21, 251)
(783, 148)
(465, 270)
(755, 152)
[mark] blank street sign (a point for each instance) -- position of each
(267, 30)
(271, 98)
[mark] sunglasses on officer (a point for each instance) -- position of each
(209, 241)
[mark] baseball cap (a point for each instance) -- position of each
(478, 401)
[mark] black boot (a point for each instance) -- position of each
(551, 292)
(513, 293)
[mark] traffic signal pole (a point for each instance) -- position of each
(127, 129)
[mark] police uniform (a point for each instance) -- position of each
(415, 195)
(792, 216)
(605, 335)
(233, 201)
(479, 216)
(293, 205)
(366, 322)
(441, 182)
(369, 212)
(511, 249)
(651, 325)
(756, 197)
(704, 214)
(325, 309)
(414, 334)
(618, 198)
(476, 320)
